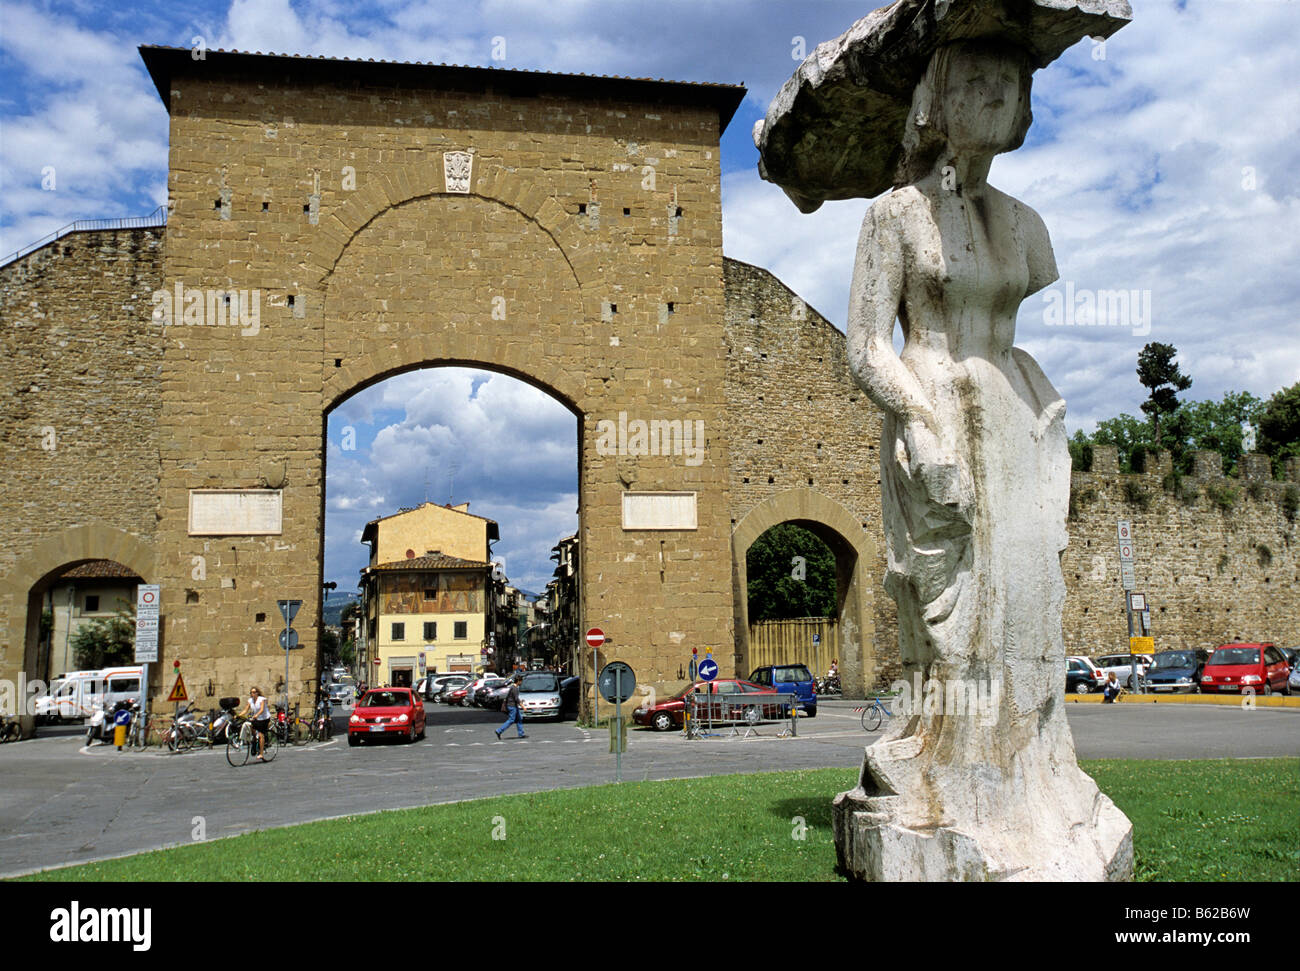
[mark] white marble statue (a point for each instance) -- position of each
(975, 478)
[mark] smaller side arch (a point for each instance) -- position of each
(855, 551)
(20, 598)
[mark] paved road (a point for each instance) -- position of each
(62, 803)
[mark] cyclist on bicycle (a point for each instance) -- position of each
(258, 711)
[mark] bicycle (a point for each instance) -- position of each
(873, 713)
(243, 746)
(10, 731)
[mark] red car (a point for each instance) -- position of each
(1235, 667)
(671, 713)
(383, 712)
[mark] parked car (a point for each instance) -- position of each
(789, 679)
(539, 696)
(671, 712)
(457, 695)
(1082, 676)
(383, 712)
(1121, 665)
(342, 692)
(483, 693)
(1175, 672)
(1235, 667)
(436, 685)
(570, 693)
(1293, 682)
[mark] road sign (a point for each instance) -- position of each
(1137, 601)
(708, 669)
(1125, 531)
(1126, 576)
(289, 609)
(292, 640)
(146, 623)
(617, 682)
(1126, 552)
(178, 690)
(595, 637)
(423, 664)
(1141, 645)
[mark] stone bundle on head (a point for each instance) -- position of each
(835, 129)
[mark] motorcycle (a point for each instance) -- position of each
(101, 722)
(829, 685)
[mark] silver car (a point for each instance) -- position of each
(539, 695)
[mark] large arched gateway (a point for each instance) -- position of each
(332, 223)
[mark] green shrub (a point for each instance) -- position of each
(1222, 496)
(1135, 495)
(1291, 502)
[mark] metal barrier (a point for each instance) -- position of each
(157, 218)
(710, 710)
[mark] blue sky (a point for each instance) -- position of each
(1166, 167)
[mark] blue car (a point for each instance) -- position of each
(793, 679)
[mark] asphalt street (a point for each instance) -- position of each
(63, 803)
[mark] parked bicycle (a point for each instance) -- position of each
(322, 724)
(243, 746)
(289, 729)
(10, 730)
(873, 713)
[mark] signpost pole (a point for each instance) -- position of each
(618, 731)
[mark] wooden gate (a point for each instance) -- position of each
(814, 641)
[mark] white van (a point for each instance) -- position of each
(121, 684)
(72, 697)
(76, 695)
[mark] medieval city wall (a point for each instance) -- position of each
(78, 414)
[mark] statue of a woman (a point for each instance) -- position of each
(975, 483)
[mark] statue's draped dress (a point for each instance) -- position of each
(978, 584)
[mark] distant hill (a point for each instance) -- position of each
(334, 604)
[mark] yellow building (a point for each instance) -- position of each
(428, 594)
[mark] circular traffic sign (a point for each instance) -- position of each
(595, 637)
(616, 682)
(708, 669)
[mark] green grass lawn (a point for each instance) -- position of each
(1205, 820)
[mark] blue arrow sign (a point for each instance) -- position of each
(708, 669)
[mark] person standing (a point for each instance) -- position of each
(514, 716)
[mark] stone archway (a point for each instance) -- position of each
(24, 587)
(854, 550)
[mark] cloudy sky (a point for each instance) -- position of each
(1164, 164)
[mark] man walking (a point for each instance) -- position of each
(511, 705)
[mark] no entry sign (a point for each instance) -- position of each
(595, 637)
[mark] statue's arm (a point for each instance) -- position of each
(874, 300)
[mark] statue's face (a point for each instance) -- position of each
(981, 101)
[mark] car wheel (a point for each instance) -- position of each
(663, 721)
(353, 740)
(1083, 688)
(811, 712)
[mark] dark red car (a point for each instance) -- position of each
(671, 713)
(1234, 667)
(385, 712)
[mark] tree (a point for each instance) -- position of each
(1158, 372)
(791, 574)
(105, 642)
(1214, 426)
(1130, 436)
(1278, 423)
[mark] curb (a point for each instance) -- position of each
(1258, 701)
